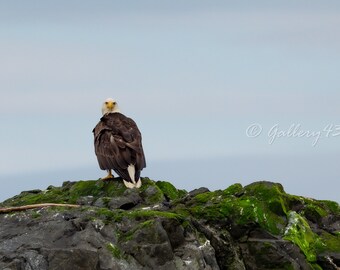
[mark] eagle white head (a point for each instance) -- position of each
(110, 106)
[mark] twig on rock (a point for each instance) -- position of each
(33, 206)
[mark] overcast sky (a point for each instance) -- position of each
(194, 75)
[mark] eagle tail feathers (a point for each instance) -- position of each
(128, 184)
(132, 173)
(131, 170)
(132, 185)
(139, 183)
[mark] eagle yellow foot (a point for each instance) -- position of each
(108, 177)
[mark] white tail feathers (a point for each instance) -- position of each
(131, 170)
(128, 184)
(139, 183)
(132, 185)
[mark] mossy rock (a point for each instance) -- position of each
(235, 189)
(271, 193)
(261, 203)
(314, 213)
(70, 192)
(115, 251)
(169, 191)
(329, 242)
(299, 232)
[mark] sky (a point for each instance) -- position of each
(223, 92)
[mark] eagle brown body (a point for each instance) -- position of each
(118, 146)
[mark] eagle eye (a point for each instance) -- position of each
(106, 102)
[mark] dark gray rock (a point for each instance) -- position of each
(272, 254)
(72, 259)
(75, 239)
(329, 261)
(34, 260)
(226, 249)
(33, 191)
(126, 202)
(158, 246)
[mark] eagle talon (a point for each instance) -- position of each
(108, 177)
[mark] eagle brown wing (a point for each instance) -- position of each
(118, 143)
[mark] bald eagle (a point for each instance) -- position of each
(118, 145)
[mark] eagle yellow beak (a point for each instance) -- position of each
(110, 105)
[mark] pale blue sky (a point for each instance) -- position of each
(193, 74)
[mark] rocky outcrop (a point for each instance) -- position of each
(258, 226)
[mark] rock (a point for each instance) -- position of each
(160, 227)
(71, 259)
(85, 200)
(153, 195)
(33, 191)
(226, 249)
(101, 202)
(174, 231)
(197, 191)
(331, 261)
(129, 200)
(34, 260)
(150, 246)
(50, 187)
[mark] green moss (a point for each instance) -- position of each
(205, 197)
(233, 189)
(158, 197)
(271, 193)
(106, 215)
(70, 192)
(115, 251)
(187, 225)
(249, 210)
(332, 207)
(146, 214)
(329, 242)
(182, 210)
(264, 190)
(146, 224)
(84, 188)
(117, 215)
(316, 266)
(54, 196)
(278, 206)
(112, 188)
(35, 214)
(170, 191)
(314, 213)
(299, 232)
(151, 193)
(254, 206)
(124, 237)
